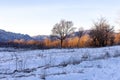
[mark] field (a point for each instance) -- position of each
(60, 64)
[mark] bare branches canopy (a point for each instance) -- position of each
(102, 33)
(62, 29)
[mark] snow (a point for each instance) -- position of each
(60, 64)
(90, 70)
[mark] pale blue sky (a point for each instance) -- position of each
(37, 17)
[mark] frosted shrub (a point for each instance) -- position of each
(106, 55)
(85, 57)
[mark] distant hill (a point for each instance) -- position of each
(41, 37)
(76, 34)
(7, 36)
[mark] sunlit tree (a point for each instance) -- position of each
(62, 29)
(102, 33)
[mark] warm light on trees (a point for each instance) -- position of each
(80, 33)
(101, 33)
(62, 30)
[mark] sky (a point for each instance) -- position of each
(37, 17)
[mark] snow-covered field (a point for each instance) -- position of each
(60, 64)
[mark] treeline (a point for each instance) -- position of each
(63, 36)
(75, 42)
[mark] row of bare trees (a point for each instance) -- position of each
(102, 33)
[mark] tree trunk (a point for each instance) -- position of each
(61, 43)
(78, 43)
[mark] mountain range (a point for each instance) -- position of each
(10, 36)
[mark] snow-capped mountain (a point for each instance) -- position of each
(8, 36)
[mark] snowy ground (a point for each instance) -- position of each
(60, 64)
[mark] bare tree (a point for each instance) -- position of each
(62, 30)
(102, 33)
